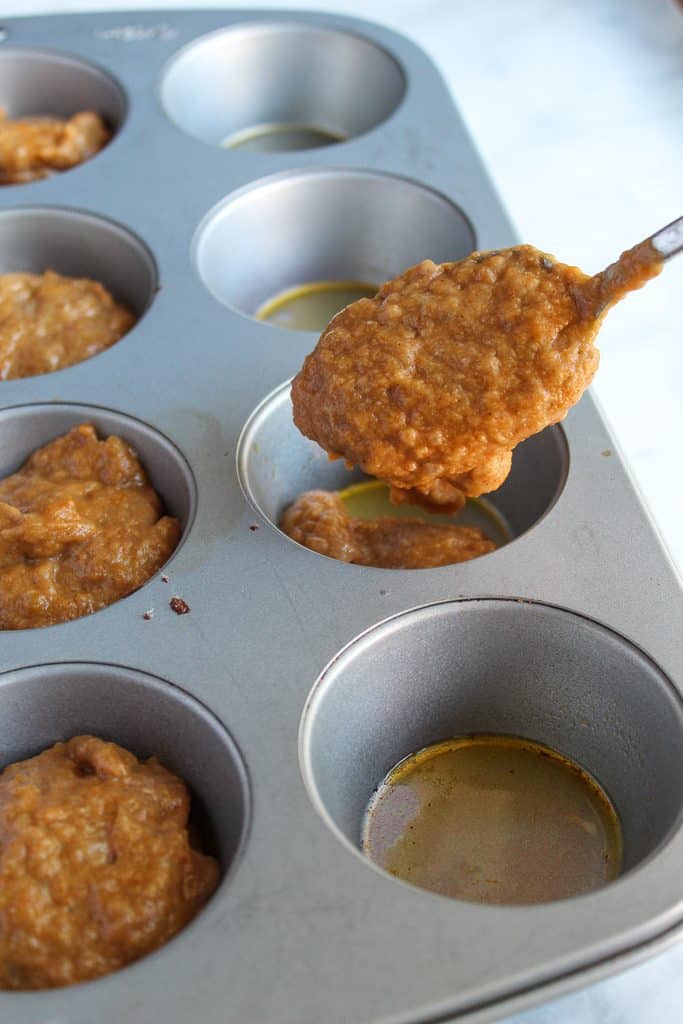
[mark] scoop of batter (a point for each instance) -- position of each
(31, 148)
(80, 527)
(430, 384)
(48, 322)
(96, 866)
(320, 521)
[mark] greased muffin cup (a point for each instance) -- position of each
(330, 225)
(569, 634)
(498, 666)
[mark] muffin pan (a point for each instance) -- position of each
(569, 634)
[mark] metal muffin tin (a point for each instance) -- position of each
(303, 929)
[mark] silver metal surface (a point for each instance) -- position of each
(669, 240)
(304, 930)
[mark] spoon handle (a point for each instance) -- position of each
(669, 240)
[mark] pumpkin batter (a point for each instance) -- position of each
(33, 147)
(431, 383)
(320, 521)
(96, 865)
(48, 322)
(80, 527)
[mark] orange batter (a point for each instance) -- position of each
(48, 322)
(33, 147)
(80, 527)
(430, 384)
(319, 521)
(96, 864)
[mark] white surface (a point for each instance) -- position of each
(577, 108)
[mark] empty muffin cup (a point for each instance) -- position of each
(276, 463)
(329, 226)
(275, 87)
(74, 243)
(501, 667)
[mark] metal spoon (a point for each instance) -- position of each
(669, 240)
(633, 268)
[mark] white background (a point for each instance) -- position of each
(577, 108)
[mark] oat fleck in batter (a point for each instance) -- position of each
(80, 527)
(96, 865)
(48, 322)
(33, 147)
(319, 521)
(430, 384)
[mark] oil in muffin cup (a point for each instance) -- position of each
(481, 676)
(312, 306)
(493, 819)
(281, 137)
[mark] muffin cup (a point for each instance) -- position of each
(24, 428)
(492, 666)
(45, 704)
(323, 225)
(256, 75)
(79, 244)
